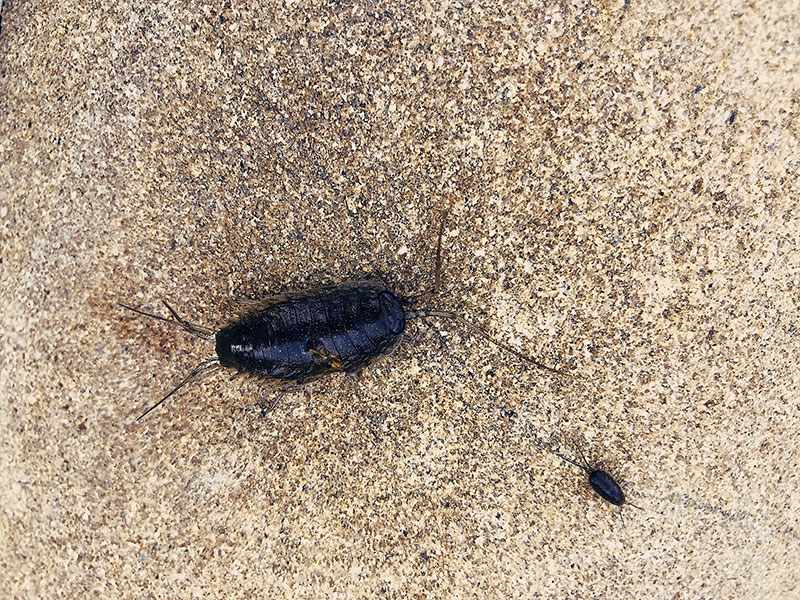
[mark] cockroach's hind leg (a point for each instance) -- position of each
(392, 349)
(622, 512)
(628, 503)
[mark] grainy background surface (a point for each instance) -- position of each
(625, 180)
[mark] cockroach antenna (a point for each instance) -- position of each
(601, 481)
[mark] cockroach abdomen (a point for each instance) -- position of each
(606, 486)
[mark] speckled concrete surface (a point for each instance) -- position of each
(625, 181)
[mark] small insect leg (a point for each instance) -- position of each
(414, 337)
(629, 503)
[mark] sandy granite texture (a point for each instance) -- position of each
(625, 186)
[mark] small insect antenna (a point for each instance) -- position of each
(437, 261)
(197, 330)
(595, 471)
(437, 269)
(417, 314)
(629, 503)
(204, 368)
(582, 467)
(437, 281)
(586, 466)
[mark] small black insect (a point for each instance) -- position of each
(297, 337)
(601, 481)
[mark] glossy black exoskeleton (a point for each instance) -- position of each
(296, 337)
(302, 336)
(601, 481)
(605, 485)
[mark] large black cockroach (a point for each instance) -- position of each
(296, 337)
(601, 481)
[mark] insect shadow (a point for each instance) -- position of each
(296, 337)
(601, 481)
